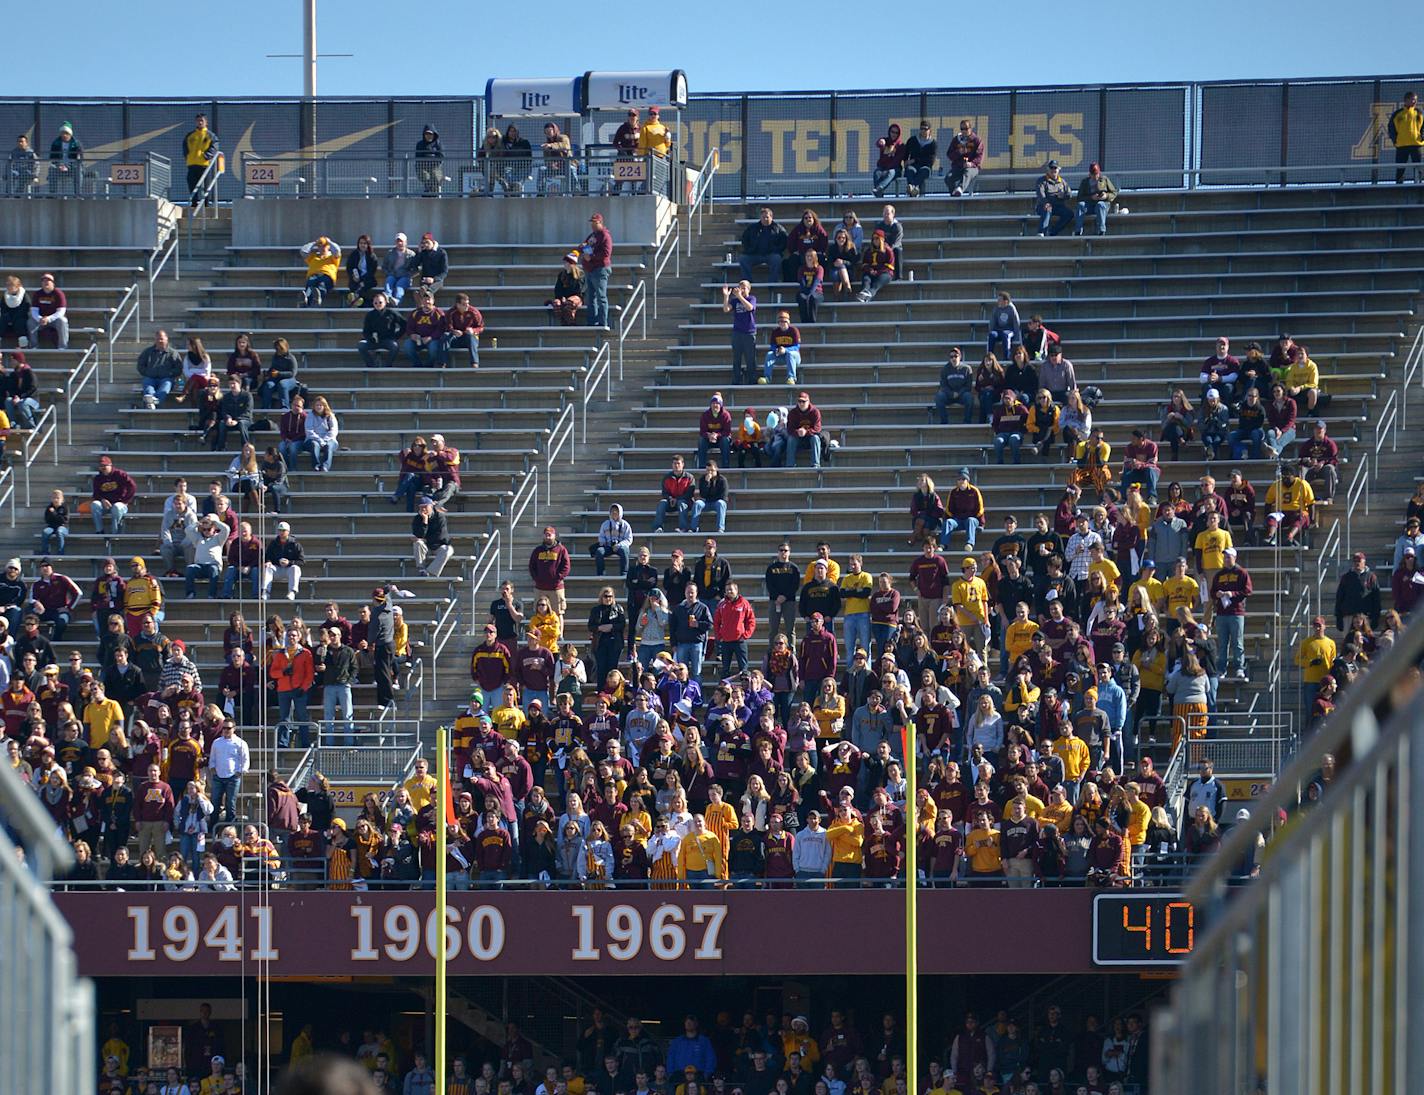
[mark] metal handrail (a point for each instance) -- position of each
(158, 259)
(440, 633)
(77, 380)
(634, 309)
(133, 301)
(667, 250)
(7, 491)
(1386, 423)
(485, 562)
(700, 192)
(594, 375)
(1358, 491)
(562, 434)
(34, 444)
(1412, 362)
(526, 496)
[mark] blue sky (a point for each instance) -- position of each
(142, 47)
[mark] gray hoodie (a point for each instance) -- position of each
(812, 853)
(1167, 542)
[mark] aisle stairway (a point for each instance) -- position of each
(1137, 311)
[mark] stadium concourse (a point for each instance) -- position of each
(893, 550)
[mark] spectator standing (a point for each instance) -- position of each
(1406, 130)
(1096, 195)
(741, 303)
(200, 149)
(1052, 201)
(549, 565)
(966, 158)
(1229, 589)
(429, 161)
(66, 158)
(597, 252)
(381, 635)
(228, 760)
(1358, 592)
(337, 666)
(293, 671)
(689, 623)
(733, 625)
(153, 807)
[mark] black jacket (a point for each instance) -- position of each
(783, 580)
(383, 325)
(291, 551)
(338, 664)
(764, 239)
(236, 405)
(434, 532)
(15, 322)
(429, 150)
(434, 263)
(921, 154)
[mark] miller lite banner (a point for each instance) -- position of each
(548, 97)
(620, 90)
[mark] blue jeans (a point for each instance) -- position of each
(690, 654)
(52, 540)
(857, 633)
(292, 705)
(336, 700)
(771, 260)
(684, 515)
(1005, 338)
(1244, 441)
(600, 553)
(318, 285)
(917, 177)
(322, 452)
(412, 349)
(274, 393)
(953, 525)
(793, 443)
(724, 450)
(225, 797)
(396, 285)
(58, 621)
(882, 634)
(719, 509)
(408, 488)
(1013, 441)
(597, 283)
(881, 180)
(1230, 647)
(776, 450)
(944, 399)
(441, 348)
(158, 389)
(191, 846)
(289, 451)
(1099, 210)
(200, 570)
(1053, 217)
(1281, 440)
(791, 359)
(230, 576)
(1145, 478)
(117, 512)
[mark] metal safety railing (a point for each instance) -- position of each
(635, 310)
(158, 259)
(120, 317)
(47, 1028)
(598, 372)
(560, 437)
(7, 491)
(701, 194)
(593, 171)
(441, 632)
(1307, 980)
(668, 250)
(485, 564)
(526, 499)
(35, 443)
(74, 384)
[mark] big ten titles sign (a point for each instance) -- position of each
(846, 146)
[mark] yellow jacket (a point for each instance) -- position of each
(1039, 419)
(1018, 636)
(549, 628)
(1298, 496)
(1406, 127)
(654, 137)
(845, 839)
(143, 595)
(701, 853)
(199, 148)
(1314, 657)
(1303, 374)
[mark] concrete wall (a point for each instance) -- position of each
(559, 220)
(93, 222)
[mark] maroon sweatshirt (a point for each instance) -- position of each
(930, 573)
(115, 486)
(153, 801)
(817, 655)
(549, 566)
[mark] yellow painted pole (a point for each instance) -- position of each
(912, 941)
(443, 769)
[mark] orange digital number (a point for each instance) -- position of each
(1145, 928)
(1176, 906)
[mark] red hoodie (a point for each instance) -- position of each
(733, 621)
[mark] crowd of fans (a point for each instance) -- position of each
(1009, 1053)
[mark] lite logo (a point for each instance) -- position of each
(529, 100)
(631, 93)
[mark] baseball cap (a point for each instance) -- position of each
(1119, 646)
(283, 526)
(1051, 163)
(379, 593)
(1212, 393)
(1147, 563)
(816, 617)
(425, 500)
(1231, 551)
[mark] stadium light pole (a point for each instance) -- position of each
(912, 935)
(442, 742)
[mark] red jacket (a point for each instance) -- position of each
(302, 675)
(733, 621)
(467, 322)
